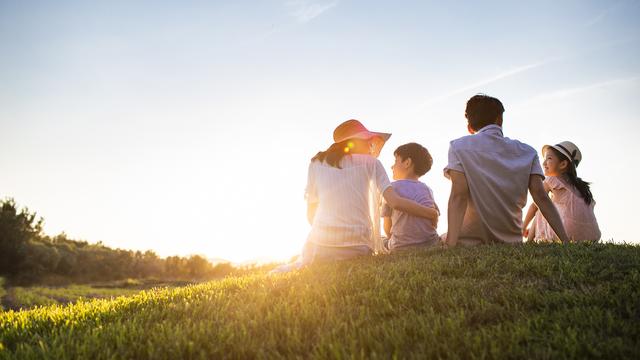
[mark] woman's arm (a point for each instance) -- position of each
(387, 226)
(399, 203)
(311, 211)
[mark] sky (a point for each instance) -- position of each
(187, 127)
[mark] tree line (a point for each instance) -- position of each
(27, 256)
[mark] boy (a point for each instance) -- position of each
(403, 230)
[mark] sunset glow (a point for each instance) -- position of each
(188, 129)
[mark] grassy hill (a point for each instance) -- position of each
(24, 298)
(533, 301)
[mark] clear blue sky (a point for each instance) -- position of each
(186, 127)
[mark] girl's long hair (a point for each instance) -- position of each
(572, 175)
(334, 154)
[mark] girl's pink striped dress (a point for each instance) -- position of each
(578, 218)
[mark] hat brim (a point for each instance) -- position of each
(559, 149)
(366, 135)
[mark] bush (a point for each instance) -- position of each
(27, 256)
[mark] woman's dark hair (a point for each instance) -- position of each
(572, 175)
(334, 154)
(483, 110)
(419, 156)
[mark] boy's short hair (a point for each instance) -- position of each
(483, 110)
(419, 156)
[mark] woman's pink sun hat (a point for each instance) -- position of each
(568, 149)
(353, 129)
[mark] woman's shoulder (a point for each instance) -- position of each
(350, 161)
(316, 166)
(314, 163)
(359, 159)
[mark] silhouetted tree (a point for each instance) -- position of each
(27, 255)
(16, 229)
(198, 266)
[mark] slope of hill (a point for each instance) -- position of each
(533, 301)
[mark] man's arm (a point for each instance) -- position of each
(387, 226)
(541, 199)
(399, 203)
(458, 201)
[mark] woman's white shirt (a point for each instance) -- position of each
(348, 201)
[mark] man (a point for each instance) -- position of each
(490, 175)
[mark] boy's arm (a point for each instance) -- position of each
(541, 198)
(458, 201)
(387, 226)
(399, 203)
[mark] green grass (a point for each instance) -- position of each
(23, 298)
(533, 301)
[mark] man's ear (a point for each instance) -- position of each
(499, 120)
(471, 131)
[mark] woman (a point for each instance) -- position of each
(345, 186)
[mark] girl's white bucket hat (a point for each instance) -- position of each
(568, 149)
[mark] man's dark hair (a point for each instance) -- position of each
(419, 156)
(483, 110)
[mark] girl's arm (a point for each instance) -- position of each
(399, 203)
(387, 226)
(548, 210)
(532, 212)
(527, 219)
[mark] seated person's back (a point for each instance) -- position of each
(497, 171)
(411, 161)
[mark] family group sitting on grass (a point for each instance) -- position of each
(490, 176)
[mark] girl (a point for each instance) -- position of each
(570, 194)
(344, 189)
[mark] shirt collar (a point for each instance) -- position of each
(491, 129)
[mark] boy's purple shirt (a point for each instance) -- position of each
(408, 229)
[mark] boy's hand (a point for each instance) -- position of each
(525, 232)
